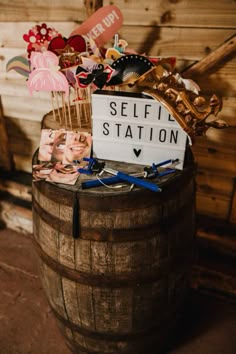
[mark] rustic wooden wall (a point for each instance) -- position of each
(187, 29)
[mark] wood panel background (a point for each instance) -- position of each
(186, 29)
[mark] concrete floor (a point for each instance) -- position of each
(27, 325)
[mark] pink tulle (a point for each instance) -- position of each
(45, 75)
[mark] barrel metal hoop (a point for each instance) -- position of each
(76, 230)
(113, 281)
(168, 319)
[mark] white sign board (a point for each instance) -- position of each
(135, 128)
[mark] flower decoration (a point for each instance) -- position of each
(32, 38)
(39, 37)
(44, 31)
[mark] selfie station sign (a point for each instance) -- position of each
(135, 128)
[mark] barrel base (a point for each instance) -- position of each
(159, 341)
(119, 284)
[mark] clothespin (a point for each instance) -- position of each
(94, 166)
(152, 171)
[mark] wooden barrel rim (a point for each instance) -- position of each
(178, 179)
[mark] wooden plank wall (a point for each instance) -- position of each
(187, 29)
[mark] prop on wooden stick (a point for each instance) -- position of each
(102, 25)
(73, 68)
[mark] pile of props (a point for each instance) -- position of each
(72, 68)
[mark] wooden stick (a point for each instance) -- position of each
(53, 107)
(64, 115)
(77, 106)
(58, 107)
(218, 57)
(68, 108)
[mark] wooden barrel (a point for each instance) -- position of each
(117, 277)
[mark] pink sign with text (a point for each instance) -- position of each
(102, 25)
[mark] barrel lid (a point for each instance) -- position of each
(169, 182)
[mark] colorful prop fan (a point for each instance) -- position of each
(128, 69)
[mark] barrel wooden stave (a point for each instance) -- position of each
(118, 303)
(126, 275)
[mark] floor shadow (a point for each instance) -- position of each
(202, 313)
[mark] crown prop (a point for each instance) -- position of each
(188, 108)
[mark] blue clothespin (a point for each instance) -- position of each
(152, 171)
(93, 166)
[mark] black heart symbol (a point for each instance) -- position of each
(137, 152)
